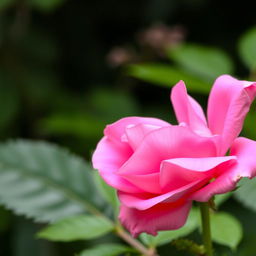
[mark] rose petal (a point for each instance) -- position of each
(245, 152)
(116, 130)
(145, 201)
(228, 104)
(188, 111)
(108, 157)
(166, 216)
(223, 184)
(178, 172)
(136, 133)
(148, 182)
(165, 143)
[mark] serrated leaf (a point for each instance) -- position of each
(247, 48)
(105, 250)
(45, 182)
(167, 76)
(164, 237)
(226, 229)
(205, 62)
(106, 191)
(246, 193)
(76, 228)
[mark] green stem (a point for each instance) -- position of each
(135, 243)
(206, 228)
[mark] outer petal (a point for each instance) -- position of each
(245, 151)
(107, 158)
(165, 216)
(117, 129)
(187, 110)
(166, 143)
(223, 184)
(178, 172)
(228, 104)
(146, 200)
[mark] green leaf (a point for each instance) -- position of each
(105, 250)
(205, 62)
(46, 5)
(246, 193)
(247, 48)
(45, 182)
(106, 191)
(6, 3)
(226, 229)
(76, 228)
(165, 237)
(167, 76)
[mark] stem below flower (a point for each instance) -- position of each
(206, 228)
(135, 243)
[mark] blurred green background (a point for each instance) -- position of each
(69, 67)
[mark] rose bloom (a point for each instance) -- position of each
(158, 169)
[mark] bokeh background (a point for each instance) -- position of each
(69, 67)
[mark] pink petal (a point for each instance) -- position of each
(188, 111)
(178, 172)
(165, 143)
(223, 184)
(136, 133)
(108, 157)
(228, 104)
(165, 216)
(148, 182)
(245, 150)
(145, 201)
(117, 129)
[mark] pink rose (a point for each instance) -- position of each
(158, 169)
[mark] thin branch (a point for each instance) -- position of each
(135, 243)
